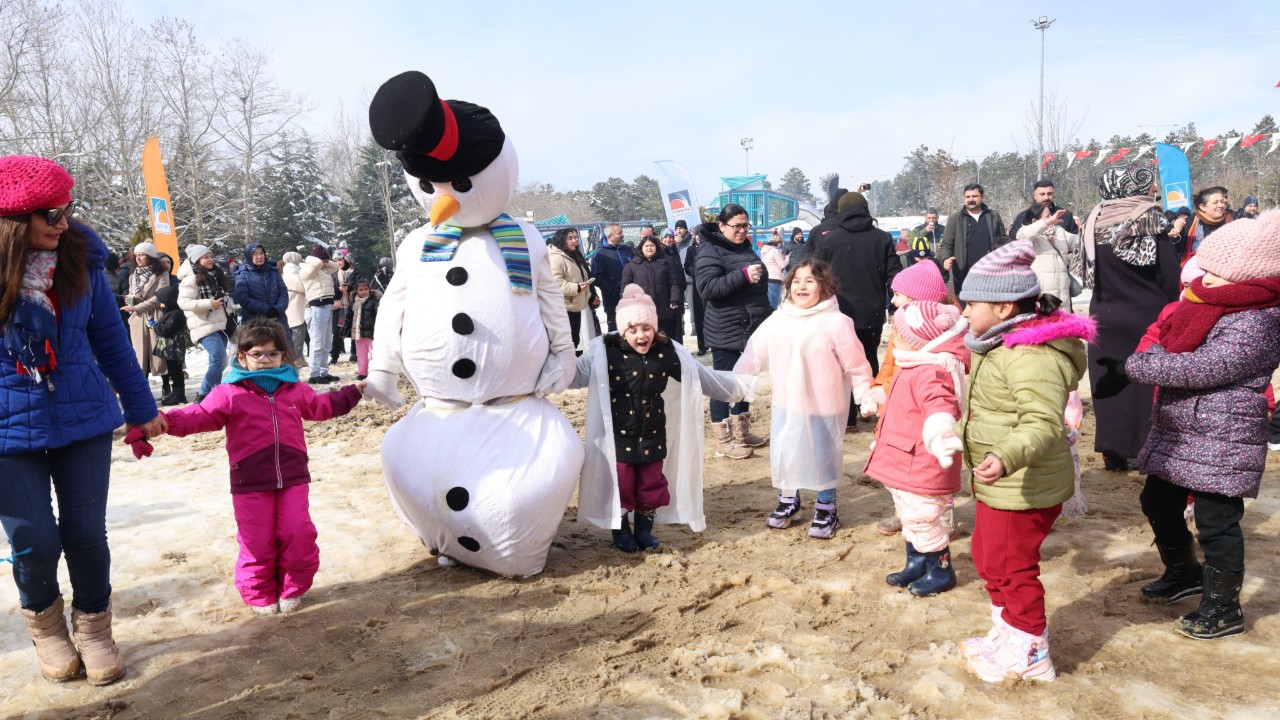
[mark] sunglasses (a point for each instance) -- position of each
(53, 216)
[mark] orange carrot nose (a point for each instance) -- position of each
(443, 209)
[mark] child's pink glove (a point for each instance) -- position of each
(137, 440)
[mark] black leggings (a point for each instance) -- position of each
(575, 328)
(1217, 518)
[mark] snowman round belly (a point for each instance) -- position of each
(466, 335)
(484, 485)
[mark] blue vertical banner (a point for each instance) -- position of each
(1175, 176)
(679, 197)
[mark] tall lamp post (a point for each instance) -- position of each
(747, 144)
(1041, 24)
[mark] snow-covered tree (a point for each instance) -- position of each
(296, 206)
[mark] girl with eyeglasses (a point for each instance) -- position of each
(262, 405)
(65, 357)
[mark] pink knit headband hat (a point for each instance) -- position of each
(29, 183)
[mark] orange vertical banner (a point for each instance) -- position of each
(162, 229)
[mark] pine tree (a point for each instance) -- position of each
(378, 209)
(297, 206)
(795, 184)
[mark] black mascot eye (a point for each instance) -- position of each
(427, 187)
(463, 185)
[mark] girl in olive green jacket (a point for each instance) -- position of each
(1027, 357)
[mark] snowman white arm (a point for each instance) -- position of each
(560, 366)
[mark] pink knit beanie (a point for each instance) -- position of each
(922, 321)
(29, 183)
(1244, 249)
(636, 308)
(922, 281)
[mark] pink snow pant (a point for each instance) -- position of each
(364, 346)
(1006, 554)
(642, 487)
(278, 552)
(921, 517)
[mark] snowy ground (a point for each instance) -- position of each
(739, 621)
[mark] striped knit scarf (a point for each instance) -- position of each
(441, 245)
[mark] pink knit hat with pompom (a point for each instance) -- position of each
(29, 183)
(636, 308)
(922, 321)
(1244, 250)
(922, 281)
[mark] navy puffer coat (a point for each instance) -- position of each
(93, 347)
(259, 288)
(735, 306)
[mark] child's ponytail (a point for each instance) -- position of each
(1042, 306)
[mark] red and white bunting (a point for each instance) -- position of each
(1102, 155)
(1251, 140)
(1186, 146)
(1275, 142)
(1119, 155)
(1208, 145)
(1231, 142)
(1143, 151)
(1047, 158)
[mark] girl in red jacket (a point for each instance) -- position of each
(262, 405)
(915, 447)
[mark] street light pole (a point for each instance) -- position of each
(747, 144)
(1041, 24)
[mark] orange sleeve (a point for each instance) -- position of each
(888, 368)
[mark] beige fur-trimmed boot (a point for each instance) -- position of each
(726, 444)
(92, 634)
(59, 661)
(742, 431)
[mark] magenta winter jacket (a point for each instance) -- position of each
(265, 438)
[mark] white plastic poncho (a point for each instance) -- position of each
(816, 362)
(598, 500)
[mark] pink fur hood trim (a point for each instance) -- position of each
(1054, 327)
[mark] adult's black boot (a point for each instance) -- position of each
(1219, 614)
(1183, 575)
(913, 571)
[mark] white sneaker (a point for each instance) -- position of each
(1021, 656)
(288, 605)
(1273, 446)
(271, 609)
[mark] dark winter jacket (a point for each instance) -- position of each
(259, 288)
(654, 276)
(864, 261)
(735, 306)
(606, 267)
(691, 264)
(93, 348)
(636, 383)
(797, 252)
(368, 313)
(954, 237)
(677, 269)
(382, 278)
(1024, 218)
(1209, 424)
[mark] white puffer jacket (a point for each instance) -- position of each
(202, 318)
(1051, 267)
(317, 278)
(297, 309)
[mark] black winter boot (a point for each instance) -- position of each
(939, 576)
(1183, 575)
(1219, 614)
(623, 539)
(913, 571)
(644, 531)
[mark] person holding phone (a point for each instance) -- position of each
(203, 299)
(569, 270)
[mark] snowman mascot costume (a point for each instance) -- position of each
(482, 467)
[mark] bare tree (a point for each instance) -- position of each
(39, 106)
(17, 42)
(255, 111)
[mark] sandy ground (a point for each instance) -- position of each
(739, 621)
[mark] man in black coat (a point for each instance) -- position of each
(865, 262)
(606, 268)
(1042, 193)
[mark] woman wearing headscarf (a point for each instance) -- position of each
(1132, 265)
(144, 307)
(66, 367)
(296, 310)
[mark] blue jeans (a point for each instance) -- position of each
(320, 330)
(80, 475)
(775, 293)
(216, 345)
(725, 360)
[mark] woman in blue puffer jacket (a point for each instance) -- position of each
(63, 342)
(259, 288)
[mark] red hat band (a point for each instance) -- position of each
(448, 144)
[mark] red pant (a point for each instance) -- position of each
(642, 487)
(1006, 554)
(278, 552)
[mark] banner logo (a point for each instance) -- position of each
(160, 215)
(1177, 195)
(679, 203)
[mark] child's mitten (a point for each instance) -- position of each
(137, 440)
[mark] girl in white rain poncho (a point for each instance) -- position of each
(813, 354)
(644, 426)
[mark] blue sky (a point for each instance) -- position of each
(587, 90)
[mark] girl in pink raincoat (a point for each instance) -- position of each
(816, 362)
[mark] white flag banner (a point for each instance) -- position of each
(1103, 155)
(1231, 142)
(1184, 146)
(1275, 142)
(679, 197)
(1143, 151)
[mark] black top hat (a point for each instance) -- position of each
(436, 140)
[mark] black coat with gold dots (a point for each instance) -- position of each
(636, 383)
